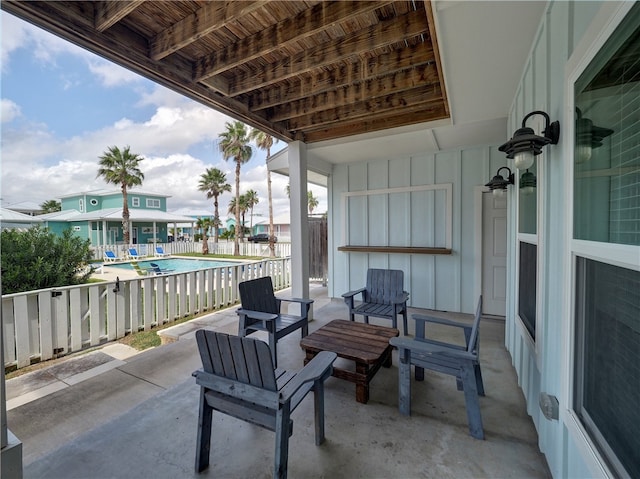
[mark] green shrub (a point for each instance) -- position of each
(37, 259)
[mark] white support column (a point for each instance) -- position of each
(104, 232)
(299, 220)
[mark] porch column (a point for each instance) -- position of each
(10, 446)
(299, 220)
(104, 232)
(155, 239)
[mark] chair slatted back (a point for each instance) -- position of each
(472, 346)
(257, 295)
(383, 285)
(246, 360)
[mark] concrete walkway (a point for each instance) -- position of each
(113, 414)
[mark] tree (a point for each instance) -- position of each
(312, 202)
(205, 224)
(265, 142)
(38, 259)
(234, 143)
(242, 208)
(121, 168)
(51, 206)
(214, 183)
(251, 199)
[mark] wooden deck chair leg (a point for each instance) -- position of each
(404, 321)
(471, 401)
(283, 429)
(479, 382)
(274, 351)
(404, 382)
(366, 319)
(318, 409)
(203, 442)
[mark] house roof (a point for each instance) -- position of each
(194, 212)
(115, 214)
(31, 206)
(63, 215)
(113, 191)
(10, 216)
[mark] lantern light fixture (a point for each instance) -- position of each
(498, 184)
(588, 137)
(526, 145)
(528, 183)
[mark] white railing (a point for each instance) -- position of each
(283, 250)
(48, 323)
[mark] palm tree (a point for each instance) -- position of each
(50, 206)
(265, 142)
(214, 183)
(242, 208)
(205, 224)
(234, 143)
(312, 202)
(121, 168)
(251, 199)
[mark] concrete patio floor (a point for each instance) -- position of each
(136, 417)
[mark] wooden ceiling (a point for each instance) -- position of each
(299, 70)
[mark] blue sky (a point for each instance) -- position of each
(62, 107)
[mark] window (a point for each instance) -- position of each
(153, 203)
(93, 202)
(135, 202)
(527, 286)
(81, 205)
(606, 248)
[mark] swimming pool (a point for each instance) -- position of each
(177, 265)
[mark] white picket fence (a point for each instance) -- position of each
(49, 323)
(178, 247)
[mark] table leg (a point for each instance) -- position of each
(388, 358)
(362, 387)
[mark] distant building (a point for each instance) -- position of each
(10, 219)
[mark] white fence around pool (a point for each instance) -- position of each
(49, 323)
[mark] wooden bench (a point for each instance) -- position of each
(365, 344)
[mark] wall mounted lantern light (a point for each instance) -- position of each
(525, 144)
(498, 185)
(528, 183)
(588, 137)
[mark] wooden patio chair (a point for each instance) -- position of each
(383, 297)
(453, 359)
(238, 378)
(260, 311)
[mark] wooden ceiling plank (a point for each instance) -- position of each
(275, 37)
(108, 13)
(349, 128)
(212, 16)
(378, 36)
(406, 101)
(395, 83)
(325, 80)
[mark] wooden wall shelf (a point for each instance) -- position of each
(394, 249)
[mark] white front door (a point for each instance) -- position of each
(494, 254)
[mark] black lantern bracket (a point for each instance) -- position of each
(525, 140)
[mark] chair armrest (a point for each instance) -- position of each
(351, 294)
(259, 315)
(297, 300)
(433, 319)
(400, 298)
(320, 367)
(421, 347)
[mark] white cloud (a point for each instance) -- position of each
(110, 74)
(8, 110)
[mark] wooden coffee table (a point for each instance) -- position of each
(366, 344)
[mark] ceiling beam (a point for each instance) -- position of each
(211, 17)
(382, 122)
(108, 13)
(378, 36)
(406, 80)
(275, 37)
(327, 80)
(434, 43)
(410, 100)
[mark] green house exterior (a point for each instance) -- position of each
(97, 215)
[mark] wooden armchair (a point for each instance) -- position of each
(383, 297)
(260, 311)
(456, 360)
(238, 378)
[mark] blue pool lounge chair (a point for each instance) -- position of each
(160, 252)
(156, 269)
(133, 253)
(109, 256)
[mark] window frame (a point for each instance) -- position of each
(151, 203)
(598, 33)
(135, 202)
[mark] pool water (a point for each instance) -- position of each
(177, 265)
